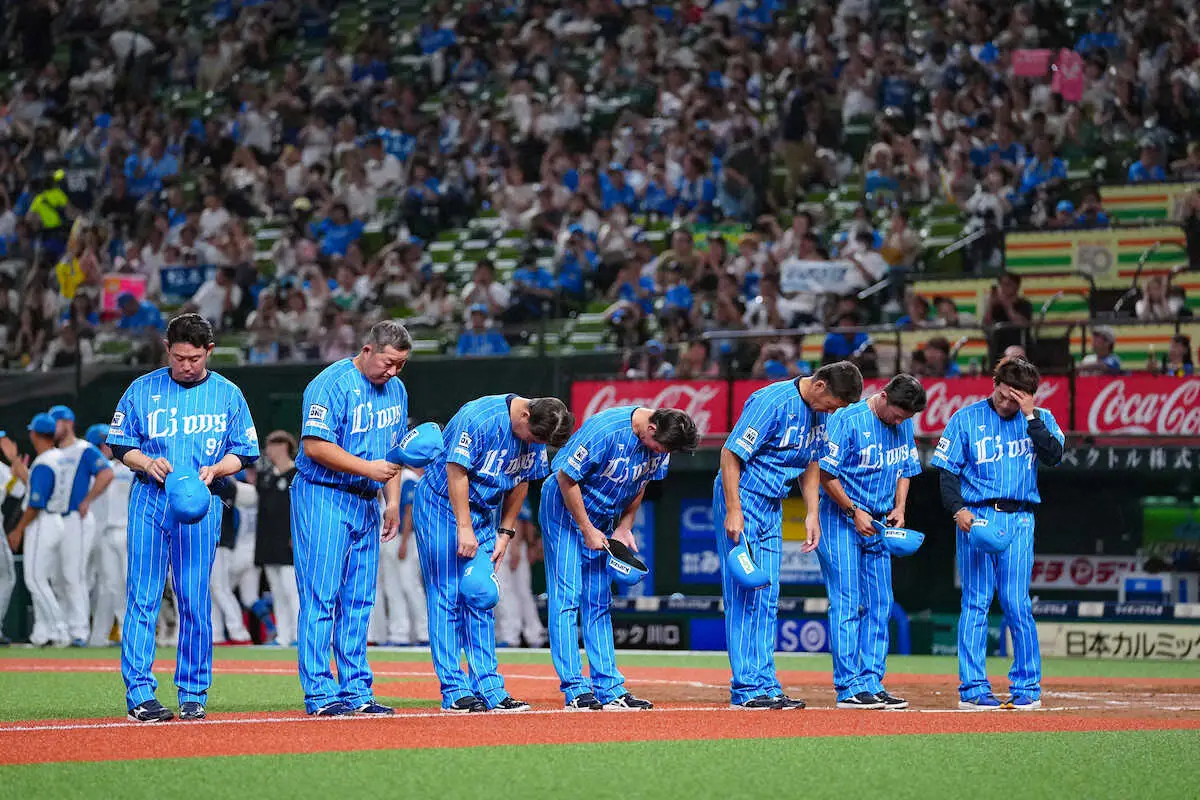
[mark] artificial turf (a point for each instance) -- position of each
(1155, 764)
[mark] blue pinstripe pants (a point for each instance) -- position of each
(858, 581)
(335, 540)
(578, 586)
(455, 626)
(154, 541)
(751, 615)
(983, 576)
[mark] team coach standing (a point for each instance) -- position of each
(354, 412)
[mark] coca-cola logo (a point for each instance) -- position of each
(1119, 408)
(695, 399)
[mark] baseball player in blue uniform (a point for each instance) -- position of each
(89, 474)
(355, 411)
(869, 460)
(599, 480)
(494, 446)
(779, 437)
(988, 456)
(185, 418)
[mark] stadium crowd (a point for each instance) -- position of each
(292, 164)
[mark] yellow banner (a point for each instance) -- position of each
(1145, 202)
(1109, 256)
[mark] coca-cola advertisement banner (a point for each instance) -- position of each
(945, 396)
(707, 402)
(1157, 405)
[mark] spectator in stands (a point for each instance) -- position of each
(337, 231)
(918, 313)
(936, 361)
(138, 317)
(1015, 351)
(1091, 211)
(479, 339)
(1178, 360)
(770, 310)
(1064, 215)
(68, 349)
(696, 361)
(532, 292)
(868, 264)
(778, 360)
(1006, 305)
(578, 262)
(1147, 169)
(1102, 360)
(1188, 169)
(436, 305)
(843, 342)
(1155, 305)
(147, 170)
(947, 315)
(649, 362)
(1043, 170)
(218, 298)
(485, 290)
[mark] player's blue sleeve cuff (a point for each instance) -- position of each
(311, 431)
(831, 467)
(455, 456)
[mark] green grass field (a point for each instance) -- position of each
(1136, 764)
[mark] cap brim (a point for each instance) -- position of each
(619, 551)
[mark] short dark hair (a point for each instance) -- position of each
(190, 329)
(550, 421)
(905, 393)
(1017, 373)
(283, 437)
(675, 430)
(1011, 276)
(842, 379)
(939, 343)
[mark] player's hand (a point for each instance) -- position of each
(895, 517)
(391, 522)
(593, 539)
(964, 519)
(500, 549)
(467, 543)
(812, 529)
(402, 553)
(381, 470)
(625, 537)
(862, 523)
(1025, 399)
(14, 539)
(84, 505)
(207, 475)
(159, 469)
(9, 448)
(734, 524)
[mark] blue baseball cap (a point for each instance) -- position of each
(477, 582)
(419, 447)
(741, 567)
(1065, 207)
(96, 434)
(988, 537)
(43, 424)
(899, 541)
(188, 497)
(575, 227)
(478, 307)
(61, 413)
(624, 567)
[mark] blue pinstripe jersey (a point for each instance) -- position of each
(82, 461)
(868, 457)
(777, 436)
(343, 407)
(610, 464)
(480, 439)
(192, 427)
(993, 456)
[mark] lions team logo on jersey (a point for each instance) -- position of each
(166, 422)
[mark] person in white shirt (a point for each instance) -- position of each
(10, 487)
(111, 511)
(384, 170)
(217, 296)
(770, 310)
(867, 265)
(483, 288)
(213, 218)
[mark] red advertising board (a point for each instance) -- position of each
(707, 402)
(946, 396)
(1157, 405)
(1081, 572)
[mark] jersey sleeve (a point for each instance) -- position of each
(1052, 425)
(951, 451)
(756, 424)
(125, 430)
(93, 461)
(41, 485)
(466, 440)
(541, 465)
(242, 438)
(583, 457)
(840, 446)
(324, 411)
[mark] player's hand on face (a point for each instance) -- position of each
(895, 517)
(391, 522)
(862, 523)
(467, 543)
(734, 525)
(500, 549)
(963, 519)
(593, 539)
(812, 529)
(1024, 399)
(159, 469)
(381, 470)
(625, 536)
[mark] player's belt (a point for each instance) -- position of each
(1008, 506)
(366, 494)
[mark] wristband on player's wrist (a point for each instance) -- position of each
(852, 509)
(506, 532)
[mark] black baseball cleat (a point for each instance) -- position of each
(585, 702)
(191, 711)
(150, 711)
(628, 702)
(375, 709)
(863, 700)
(760, 703)
(466, 705)
(510, 705)
(335, 709)
(890, 701)
(790, 703)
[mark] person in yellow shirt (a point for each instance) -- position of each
(78, 265)
(52, 208)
